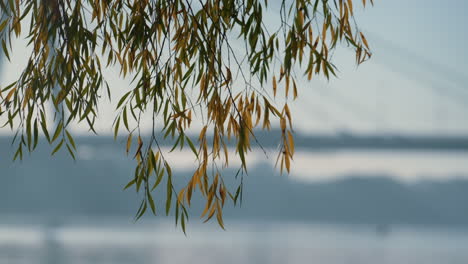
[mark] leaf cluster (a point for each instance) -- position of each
(185, 66)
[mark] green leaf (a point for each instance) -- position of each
(36, 134)
(70, 139)
(130, 183)
(12, 6)
(29, 133)
(182, 223)
(140, 177)
(71, 152)
(141, 211)
(169, 195)
(151, 202)
(5, 49)
(177, 213)
(122, 99)
(57, 131)
(192, 147)
(3, 25)
(158, 180)
(57, 147)
(44, 130)
(9, 86)
(176, 143)
(116, 128)
(19, 152)
(125, 120)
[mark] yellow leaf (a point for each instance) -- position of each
(219, 215)
(288, 114)
(364, 40)
(140, 145)
(294, 89)
(324, 31)
(228, 75)
(10, 94)
(291, 142)
(212, 211)
(350, 4)
(287, 162)
(207, 207)
(222, 193)
(129, 143)
(283, 124)
(274, 86)
(202, 133)
(27, 96)
(180, 196)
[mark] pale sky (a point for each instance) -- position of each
(416, 80)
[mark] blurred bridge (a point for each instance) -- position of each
(416, 104)
(327, 142)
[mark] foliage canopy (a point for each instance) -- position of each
(186, 64)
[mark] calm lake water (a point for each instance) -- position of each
(24, 239)
(148, 242)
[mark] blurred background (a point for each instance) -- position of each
(380, 174)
